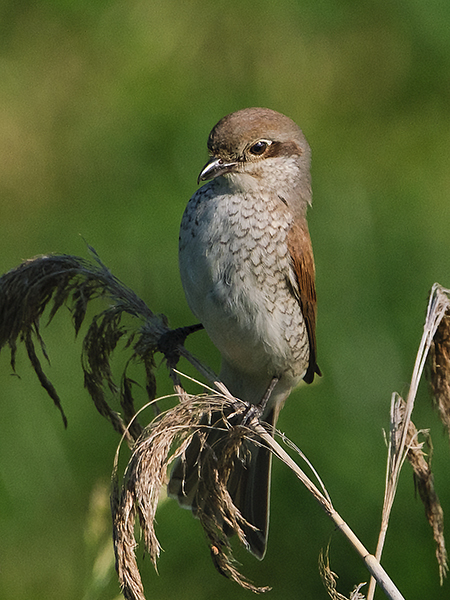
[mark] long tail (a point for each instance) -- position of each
(248, 484)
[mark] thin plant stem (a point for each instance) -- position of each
(372, 564)
(438, 304)
(370, 561)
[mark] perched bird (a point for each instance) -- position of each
(247, 269)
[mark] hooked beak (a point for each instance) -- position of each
(214, 168)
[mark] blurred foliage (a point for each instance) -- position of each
(105, 108)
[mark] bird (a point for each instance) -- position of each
(248, 274)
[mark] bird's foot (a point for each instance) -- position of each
(256, 410)
(169, 342)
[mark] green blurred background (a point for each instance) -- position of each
(105, 108)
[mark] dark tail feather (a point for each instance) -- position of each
(248, 485)
(252, 497)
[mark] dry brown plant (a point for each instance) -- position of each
(439, 368)
(49, 282)
(403, 443)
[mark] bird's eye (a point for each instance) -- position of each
(259, 148)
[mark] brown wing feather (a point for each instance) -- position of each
(300, 248)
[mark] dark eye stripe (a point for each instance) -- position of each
(284, 149)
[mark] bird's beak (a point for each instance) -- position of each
(214, 168)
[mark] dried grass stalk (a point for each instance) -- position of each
(164, 440)
(424, 481)
(400, 429)
(50, 282)
(55, 281)
(371, 562)
(329, 579)
(439, 370)
(423, 476)
(167, 439)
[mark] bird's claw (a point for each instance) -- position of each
(257, 410)
(169, 342)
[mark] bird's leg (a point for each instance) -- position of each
(265, 399)
(258, 409)
(169, 341)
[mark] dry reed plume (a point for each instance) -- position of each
(49, 282)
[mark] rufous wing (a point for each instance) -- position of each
(304, 289)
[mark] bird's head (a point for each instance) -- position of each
(260, 147)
